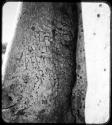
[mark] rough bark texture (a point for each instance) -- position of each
(41, 69)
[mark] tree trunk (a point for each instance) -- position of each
(41, 69)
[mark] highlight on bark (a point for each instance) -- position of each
(45, 76)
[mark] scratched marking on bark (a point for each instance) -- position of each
(39, 75)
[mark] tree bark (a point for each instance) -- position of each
(41, 68)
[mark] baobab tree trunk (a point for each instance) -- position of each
(41, 68)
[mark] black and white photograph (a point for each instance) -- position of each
(56, 62)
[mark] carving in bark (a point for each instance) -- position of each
(42, 66)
